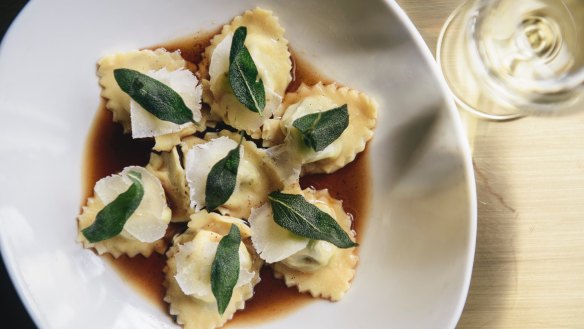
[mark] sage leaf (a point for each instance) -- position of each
(221, 179)
(237, 43)
(320, 129)
(244, 78)
(294, 213)
(154, 96)
(225, 268)
(110, 220)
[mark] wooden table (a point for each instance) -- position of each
(529, 265)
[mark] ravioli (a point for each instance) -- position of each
(220, 224)
(163, 66)
(167, 167)
(144, 229)
(168, 141)
(272, 133)
(269, 50)
(199, 162)
(257, 175)
(306, 100)
(200, 312)
(116, 246)
(332, 280)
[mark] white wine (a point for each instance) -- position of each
(529, 46)
(515, 57)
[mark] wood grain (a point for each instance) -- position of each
(529, 266)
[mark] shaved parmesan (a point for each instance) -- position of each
(200, 159)
(150, 220)
(273, 242)
(288, 163)
(219, 64)
(182, 81)
(276, 244)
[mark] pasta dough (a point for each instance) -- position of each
(140, 60)
(144, 229)
(362, 119)
(167, 167)
(257, 176)
(119, 102)
(118, 245)
(195, 313)
(269, 50)
(334, 279)
(219, 224)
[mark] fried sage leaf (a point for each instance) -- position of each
(294, 213)
(222, 179)
(154, 96)
(237, 43)
(225, 268)
(244, 78)
(110, 221)
(320, 129)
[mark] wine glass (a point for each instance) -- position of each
(505, 59)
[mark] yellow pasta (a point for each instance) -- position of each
(167, 167)
(269, 50)
(143, 230)
(118, 245)
(362, 121)
(140, 60)
(257, 176)
(219, 224)
(194, 313)
(119, 102)
(334, 279)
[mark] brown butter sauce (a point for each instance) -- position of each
(109, 150)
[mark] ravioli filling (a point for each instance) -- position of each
(313, 257)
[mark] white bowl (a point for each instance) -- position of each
(417, 254)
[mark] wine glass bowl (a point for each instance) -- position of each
(504, 59)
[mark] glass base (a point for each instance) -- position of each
(452, 57)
